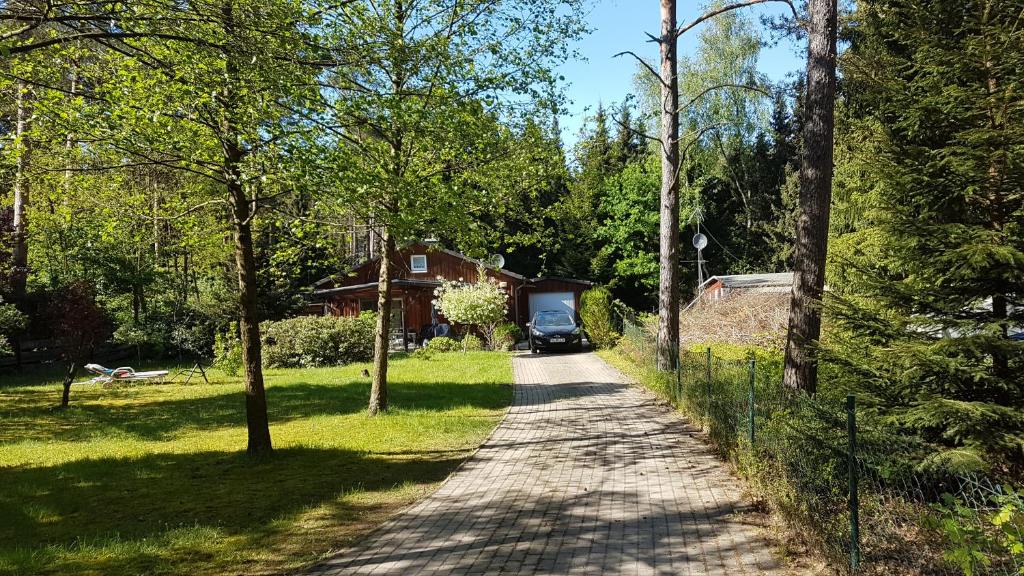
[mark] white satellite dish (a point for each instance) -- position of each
(495, 261)
(700, 241)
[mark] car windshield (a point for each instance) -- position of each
(553, 319)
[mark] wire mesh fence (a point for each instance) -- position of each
(849, 482)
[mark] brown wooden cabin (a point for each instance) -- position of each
(417, 268)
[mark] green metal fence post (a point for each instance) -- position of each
(750, 401)
(679, 379)
(707, 375)
(851, 435)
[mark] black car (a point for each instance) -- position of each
(553, 329)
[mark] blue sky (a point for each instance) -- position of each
(620, 25)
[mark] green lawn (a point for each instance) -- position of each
(153, 479)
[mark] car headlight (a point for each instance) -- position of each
(536, 332)
(576, 331)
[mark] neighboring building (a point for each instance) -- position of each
(417, 268)
(719, 287)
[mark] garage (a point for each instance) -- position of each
(561, 301)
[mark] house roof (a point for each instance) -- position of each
(473, 260)
(429, 248)
(751, 280)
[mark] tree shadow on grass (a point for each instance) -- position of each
(144, 498)
(30, 416)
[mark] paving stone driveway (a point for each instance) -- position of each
(586, 475)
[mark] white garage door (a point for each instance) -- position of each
(563, 301)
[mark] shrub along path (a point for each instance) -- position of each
(586, 475)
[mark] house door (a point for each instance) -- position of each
(560, 301)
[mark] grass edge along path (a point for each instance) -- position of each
(153, 479)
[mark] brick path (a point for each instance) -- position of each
(586, 475)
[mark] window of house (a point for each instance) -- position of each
(418, 263)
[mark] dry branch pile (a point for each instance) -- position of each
(757, 318)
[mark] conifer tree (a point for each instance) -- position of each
(929, 287)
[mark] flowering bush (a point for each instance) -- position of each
(483, 304)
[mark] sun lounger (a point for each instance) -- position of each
(122, 374)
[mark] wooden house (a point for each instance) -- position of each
(418, 270)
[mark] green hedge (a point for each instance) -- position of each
(318, 341)
(596, 314)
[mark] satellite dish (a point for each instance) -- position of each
(495, 261)
(700, 241)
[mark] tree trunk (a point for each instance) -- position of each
(19, 256)
(801, 369)
(65, 397)
(242, 213)
(668, 286)
(248, 324)
(381, 344)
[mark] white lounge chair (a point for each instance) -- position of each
(124, 373)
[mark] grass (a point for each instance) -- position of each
(153, 479)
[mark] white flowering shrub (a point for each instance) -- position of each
(483, 304)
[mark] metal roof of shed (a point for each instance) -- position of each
(752, 280)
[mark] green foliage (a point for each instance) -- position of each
(628, 231)
(929, 258)
(482, 304)
(1009, 521)
(506, 336)
(965, 540)
(596, 314)
(973, 539)
(313, 341)
(227, 349)
(472, 343)
(443, 344)
(11, 322)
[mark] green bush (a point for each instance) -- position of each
(472, 343)
(443, 344)
(596, 313)
(423, 353)
(506, 335)
(11, 322)
(227, 350)
(318, 341)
